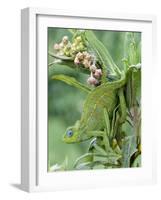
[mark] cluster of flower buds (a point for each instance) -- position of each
(77, 45)
(77, 50)
(65, 47)
(88, 61)
(94, 77)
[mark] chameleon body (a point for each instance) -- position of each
(102, 97)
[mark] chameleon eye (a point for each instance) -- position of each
(69, 133)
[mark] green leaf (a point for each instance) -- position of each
(60, 57)
(71, 81)
(132, 48)
(72, 31)
(133, 86)
(107, 122)
(136, 85)
(107, 63)
(137, 161)
(90, 165)
(138, 52)
(85, 165)
(129, 147)
(100, 150)
(90, 160)
(110, 158)
(123, 107)
(68, 64)
(61, 167)
(86, 158)
(114, 122)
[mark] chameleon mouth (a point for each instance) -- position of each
(71, 140)
(75, 139)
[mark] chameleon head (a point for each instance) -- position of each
(71, 135)
(74, 134)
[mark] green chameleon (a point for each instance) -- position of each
(103, 106)
(103, 98)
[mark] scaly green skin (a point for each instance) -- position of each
(92, 122)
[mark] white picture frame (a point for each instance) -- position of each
(34, 175)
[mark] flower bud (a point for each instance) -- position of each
(67, 47)
(85, 53)
(88, 57)
(92, 81)
(78, 39)
(61, 45)
(67, 53)
(80, 56)
(76, 60)
(65, 40)
(78, 48)
(56, 47)
(98, 73)
(114, 143)
(92, 68)
(86, 63)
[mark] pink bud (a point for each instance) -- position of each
(92, 81)
(56, 46)
(92, 68)
(76, 61)
(98, 73)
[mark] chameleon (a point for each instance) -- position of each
(103, 97)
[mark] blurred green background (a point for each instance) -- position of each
(65, 102)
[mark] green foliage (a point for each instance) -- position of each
(106, 61)
(129, 147)
(72, 81)
(110, 115)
